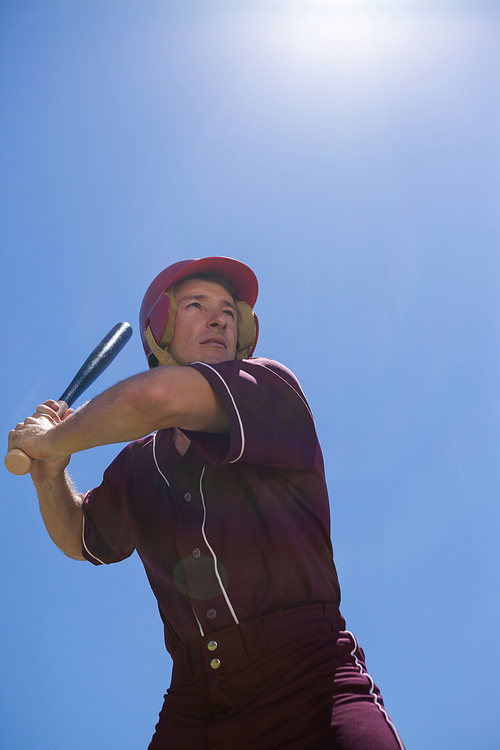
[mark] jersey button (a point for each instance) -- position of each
(196, 552)
(215, 663)
(212, 645)
(211, 614)
(187, 497)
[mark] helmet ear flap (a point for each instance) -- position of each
(248, 328)
(158, 316)
(159, 329)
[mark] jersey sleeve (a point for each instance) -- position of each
(106, 536)
(270, 420)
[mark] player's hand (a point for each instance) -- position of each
(30, 435)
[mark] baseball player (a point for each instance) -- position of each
(222, 494)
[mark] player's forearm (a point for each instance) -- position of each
(162, 398)
(61, 509)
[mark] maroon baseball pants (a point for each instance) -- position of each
(289, 681)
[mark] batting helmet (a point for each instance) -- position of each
(157, 315)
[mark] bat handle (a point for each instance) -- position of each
(17, 461)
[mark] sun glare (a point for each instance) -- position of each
(320, 36)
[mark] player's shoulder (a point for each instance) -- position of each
(257, 369)
(256, 364)
(267, 369)
(273, 366)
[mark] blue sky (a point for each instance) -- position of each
(348, 151)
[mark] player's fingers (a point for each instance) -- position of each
(51, 403)
(48, 407)
(35, 418)
(38, 419)
(47, 410)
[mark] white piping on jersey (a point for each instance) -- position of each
(156, 462)
(202, 632)
(242, 433)
(224, 592)
(372, 691)
(86, 548)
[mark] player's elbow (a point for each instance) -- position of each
(73, 555)
(70, 545)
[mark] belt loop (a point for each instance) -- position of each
(184, 661)
(253, 638)
(332, 614)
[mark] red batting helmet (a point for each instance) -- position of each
(157, 315)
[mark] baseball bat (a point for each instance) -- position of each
(18, 462)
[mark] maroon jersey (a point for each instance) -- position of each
(235, 529)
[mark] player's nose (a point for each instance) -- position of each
(217, 319)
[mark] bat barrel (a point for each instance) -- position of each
(97, 361)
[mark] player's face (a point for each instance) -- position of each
(206, 323)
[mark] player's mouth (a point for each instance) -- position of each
(214, 341)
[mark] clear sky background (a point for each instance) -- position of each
(348, 151)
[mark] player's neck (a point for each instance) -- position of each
(181, 442)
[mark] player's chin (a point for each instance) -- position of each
(214, 355)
